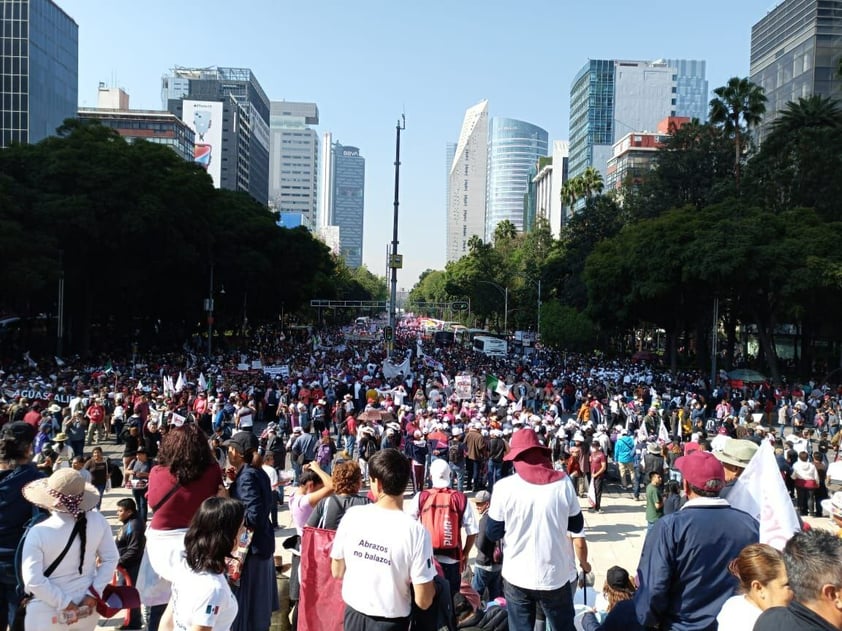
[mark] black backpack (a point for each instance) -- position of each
(115, 473)
(439, 616)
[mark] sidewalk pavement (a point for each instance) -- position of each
(615, 536)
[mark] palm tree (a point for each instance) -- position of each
(739, 105)
(811, 112)
(592, 183)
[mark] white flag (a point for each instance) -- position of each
(203, 384)
(519, 405)
(29, 361)
(760, 491)
(663, 434)
(59, 361)
(177, 419)
(445, 381)
(139, 385)
(642, 434)
(419, 351)
(179, 385)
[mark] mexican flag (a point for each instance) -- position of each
(494, 384)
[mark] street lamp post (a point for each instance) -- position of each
(393, 263)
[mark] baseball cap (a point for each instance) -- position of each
(702, 470)
(618, 578)
(483, 497)
(440, 474)
(242, 442)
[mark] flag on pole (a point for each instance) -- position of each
(203, 384)
(179, 385)
(518, 405)
(642, 434)
(494, 384)
(210, 384)
(760, 491)
(29, 361)
(663, 434)
(139, 385)
(109, 368)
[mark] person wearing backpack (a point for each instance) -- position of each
(444, 513)
(456, 457)
(488, 565)
(367, 448)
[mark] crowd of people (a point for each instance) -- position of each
(497, 456)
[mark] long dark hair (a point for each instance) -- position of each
(185, 451)
(210, 538)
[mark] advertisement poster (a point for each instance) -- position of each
(205, 119)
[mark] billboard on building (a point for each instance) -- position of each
(205, 119)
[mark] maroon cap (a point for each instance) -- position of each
(702, 470)
(524, 440)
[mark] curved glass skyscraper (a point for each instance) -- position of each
(513, 148)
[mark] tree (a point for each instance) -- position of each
(738, 106)
(591, 182)
(565, 328)
(694, 166)
(814, 111)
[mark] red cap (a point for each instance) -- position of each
(702, 470)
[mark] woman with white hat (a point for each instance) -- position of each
(81, 539)
(64, 453)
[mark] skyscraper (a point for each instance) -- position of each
(610, 98)
(795, 52)
(513, 148)
(342, 203)
(467, 183)
(294, 160)
(39, 68)
(229, 112)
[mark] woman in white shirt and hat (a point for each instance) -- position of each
(88, 563)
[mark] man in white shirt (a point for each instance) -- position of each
(379, 551)
(532, 511)
(452, 563)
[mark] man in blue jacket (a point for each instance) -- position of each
(683, 572)
(624, 457)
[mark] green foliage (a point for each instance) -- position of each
(565, 328)
(135, 230)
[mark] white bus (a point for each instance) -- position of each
(491, 346)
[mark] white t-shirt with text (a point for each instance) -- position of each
(384, 552)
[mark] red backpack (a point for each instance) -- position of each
(441, 513)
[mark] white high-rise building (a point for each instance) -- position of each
(294, 160)
(466, 184)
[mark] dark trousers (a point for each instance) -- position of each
(453, 576)
(356, 621)
(522, 605)
(142, 504)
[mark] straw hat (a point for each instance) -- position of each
(65, 491)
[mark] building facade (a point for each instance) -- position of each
(294, 160)
(513, 148)
(158, 127)
(342, 205)
(467, 183)
(39, 70)
(692, 92)
(229, 113)
(611, 98)
(795, 53)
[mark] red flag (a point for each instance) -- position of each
(318, 584)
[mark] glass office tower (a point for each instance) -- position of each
(39, 64)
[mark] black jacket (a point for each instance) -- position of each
(794, 616)
(131, 542)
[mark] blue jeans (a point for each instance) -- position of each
(487, 579)
(522, 604)
(459, 472)
(142, 504)
(101, 489)
(495, 472)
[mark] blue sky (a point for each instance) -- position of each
(366, 61)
